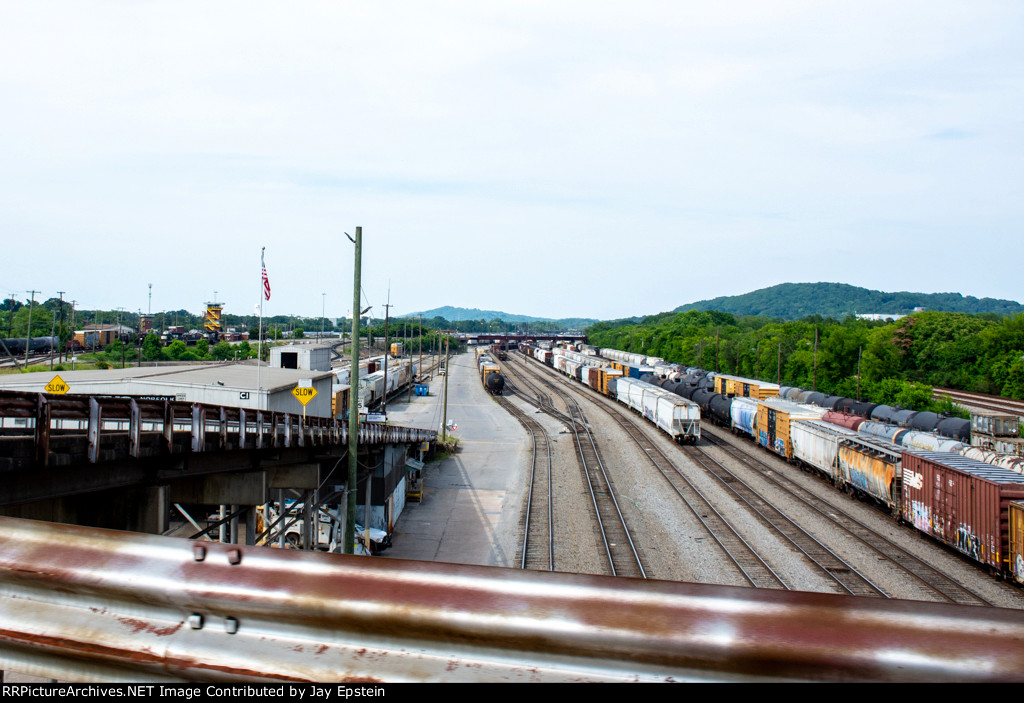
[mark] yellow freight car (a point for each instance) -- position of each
(737, 386)
(773, 418)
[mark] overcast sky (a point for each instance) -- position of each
(554, 159)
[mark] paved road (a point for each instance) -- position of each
(471, 501)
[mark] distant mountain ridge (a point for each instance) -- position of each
(453, 314)
(837, 300)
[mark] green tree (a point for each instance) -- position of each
(223, 351)
(298, 333)
(152, 350)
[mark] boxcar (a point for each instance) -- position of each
(1016, 535)
(773, 419)
(745, 387)
(962, 503)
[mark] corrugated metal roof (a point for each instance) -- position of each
(980, 469)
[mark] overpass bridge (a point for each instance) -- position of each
(121, 462)
(515, 338)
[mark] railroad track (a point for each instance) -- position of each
(838, 571)
(940, 584)
(537, 550)
(981, 401)
(846, 578)
(828, 562)
(750, 564)
(34, 359)
(620, 549)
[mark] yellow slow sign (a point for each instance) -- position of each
(58, 386)
(304, 394)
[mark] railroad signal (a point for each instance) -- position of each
(304, 393)
(57, 386)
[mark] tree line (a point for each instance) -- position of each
(889, 362)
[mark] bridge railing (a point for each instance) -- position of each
(85, 604)
(46, 417)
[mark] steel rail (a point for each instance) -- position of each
(827, 561)
(620, 549)
(983, 401)
(613, 531)
(530, 559)
(81, 604)
(744, 557)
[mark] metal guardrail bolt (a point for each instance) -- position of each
(198, 552)
(231, 625)
(235, 557)
(195, 621)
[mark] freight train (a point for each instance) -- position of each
(374, 388)
(677, 417)
(38, 345)
(893, 457)
(490, 374)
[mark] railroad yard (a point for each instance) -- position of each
(724, 511)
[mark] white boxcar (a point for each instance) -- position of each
(743, 412)
(816, 443)
(675, 415)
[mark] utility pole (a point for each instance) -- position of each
(60, 353)
(119, 335)
(860, 354)
(10, 319)
(778, 378)
(28, 332)
(718, 342)
(444, 421)
(387, 352)
(815, 387)
(323, 312)
(353, 402)
(53, 327)
(421, 344)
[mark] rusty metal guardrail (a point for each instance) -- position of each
(84, 604)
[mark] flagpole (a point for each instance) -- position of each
(259, 338)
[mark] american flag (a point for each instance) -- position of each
(266, 281)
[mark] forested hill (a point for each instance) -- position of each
(792, 301)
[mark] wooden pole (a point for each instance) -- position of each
(353, 403)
